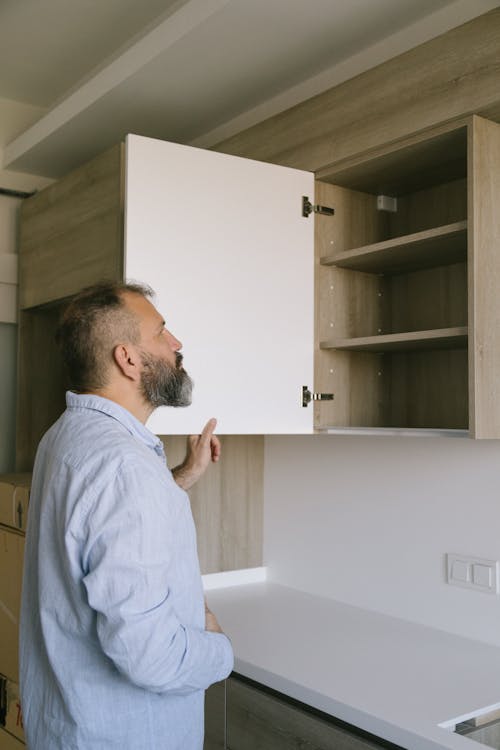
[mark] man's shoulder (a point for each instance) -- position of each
(92, 458)
(93, 439)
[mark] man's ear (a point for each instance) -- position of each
(127, 360)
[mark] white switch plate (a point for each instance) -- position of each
(472, 573)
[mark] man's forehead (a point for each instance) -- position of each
(142, 307)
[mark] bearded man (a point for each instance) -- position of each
(117, 643)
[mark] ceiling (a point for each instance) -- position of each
(193, 71)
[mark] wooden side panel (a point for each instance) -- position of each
(227, 503)
(484, 278)
(348, 303)
(257, 719)
(215, 717)
(72, 232)
(41, 382)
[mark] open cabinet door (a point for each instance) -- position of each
(223, 242)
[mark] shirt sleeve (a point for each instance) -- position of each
(137, 529)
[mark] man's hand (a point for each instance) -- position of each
(211, 623)
(201, 450)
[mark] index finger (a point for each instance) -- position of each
(208, 430)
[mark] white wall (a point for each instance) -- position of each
(368, 520)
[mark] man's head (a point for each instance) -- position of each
(112, 336)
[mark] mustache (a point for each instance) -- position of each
(178, 360)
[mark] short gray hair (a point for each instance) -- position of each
(94, 322)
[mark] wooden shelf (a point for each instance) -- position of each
(433, 247)
(440, 338)
(394, 432)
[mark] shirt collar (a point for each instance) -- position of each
(114, 410)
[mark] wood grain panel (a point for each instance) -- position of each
(439, 205)
(215, 717)
(428, 389)
(484, 278)
(445, 78)
(430, 298)
(444, 244)
(431, 156)
(41, 382)
(258, 720)
(356, 379)
(227, 502)
(348, 303)
(437, 338)
(72, 232)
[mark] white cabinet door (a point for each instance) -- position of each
(223, 242)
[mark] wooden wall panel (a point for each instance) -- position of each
(442, 204)
(227, 502)
(428, 389)
(72, 232)
(215, 717)
(41, 382)
(258, 719)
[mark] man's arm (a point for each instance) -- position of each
(211, 623)
(132, 566)
(201, 450)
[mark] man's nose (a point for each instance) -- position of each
(174, 343)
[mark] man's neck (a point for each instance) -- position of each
(130, 401)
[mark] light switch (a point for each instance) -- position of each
(481, 575)
(461, 571)
(472, 572)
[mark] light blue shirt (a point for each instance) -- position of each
(113, 650)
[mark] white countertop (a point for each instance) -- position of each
(395, 679)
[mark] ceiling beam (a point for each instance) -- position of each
(173, 28)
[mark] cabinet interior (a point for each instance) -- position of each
(392, 289)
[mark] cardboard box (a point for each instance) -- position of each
(8, 742)
(11, 718)
(11, 576)
(14, 497)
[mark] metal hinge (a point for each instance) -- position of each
(308, 208)
(308, 396)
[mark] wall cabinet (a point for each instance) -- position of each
(408, 316)
(406, 331)
(224, 243)
(242, 715)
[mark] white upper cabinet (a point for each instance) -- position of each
(223, 242)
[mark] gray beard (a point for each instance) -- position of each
(164, 385)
